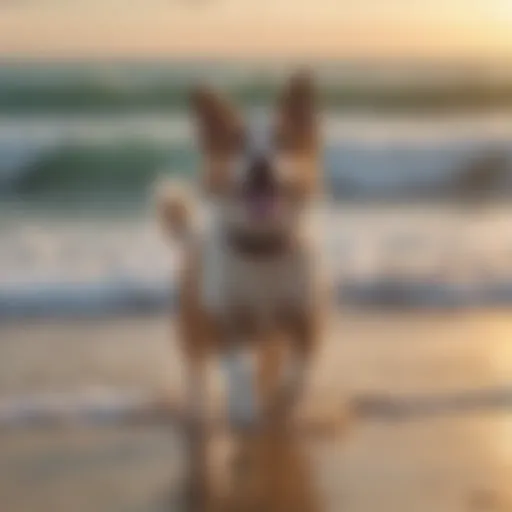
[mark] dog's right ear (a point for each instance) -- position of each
(297, 117)
(219, 125)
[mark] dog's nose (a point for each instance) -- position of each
(260, 174)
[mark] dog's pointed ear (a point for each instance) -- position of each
(297, 128)
(218, 122)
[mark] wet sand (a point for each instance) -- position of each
(431, 462)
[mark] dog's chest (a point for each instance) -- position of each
(264, 287)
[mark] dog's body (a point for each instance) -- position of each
(252, 272)
(265, 290)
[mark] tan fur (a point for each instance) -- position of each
(174, 209)
(204, 332)
(272, 472)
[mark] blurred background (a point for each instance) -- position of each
(417, 103)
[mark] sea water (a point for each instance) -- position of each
(77, 230)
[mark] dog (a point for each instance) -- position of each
(251, 273)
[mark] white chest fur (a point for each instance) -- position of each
(262, 286)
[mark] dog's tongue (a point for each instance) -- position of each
(262, 205)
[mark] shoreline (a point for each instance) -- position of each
(120, 297)
(444, 462)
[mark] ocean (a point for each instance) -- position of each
(411, 390)
(81, 146)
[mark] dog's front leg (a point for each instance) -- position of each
(196, 436)
(302, 332)
(242, 404)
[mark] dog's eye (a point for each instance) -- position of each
(281, 141)
(286, 141)
(284, 173)
(285, 168)
(239, 139)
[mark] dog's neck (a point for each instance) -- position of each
(259, 245)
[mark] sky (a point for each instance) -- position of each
(259, 28)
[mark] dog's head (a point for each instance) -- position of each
(260, 182)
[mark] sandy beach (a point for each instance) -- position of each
(409, 406)
(448, 461)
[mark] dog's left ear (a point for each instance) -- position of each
(218, 122)
(297, 129)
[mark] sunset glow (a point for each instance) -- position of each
(61, 28)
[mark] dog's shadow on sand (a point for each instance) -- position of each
(269, 470)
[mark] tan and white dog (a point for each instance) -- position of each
(252, 271)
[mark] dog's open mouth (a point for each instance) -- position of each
(261, 191)
(262, 204)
